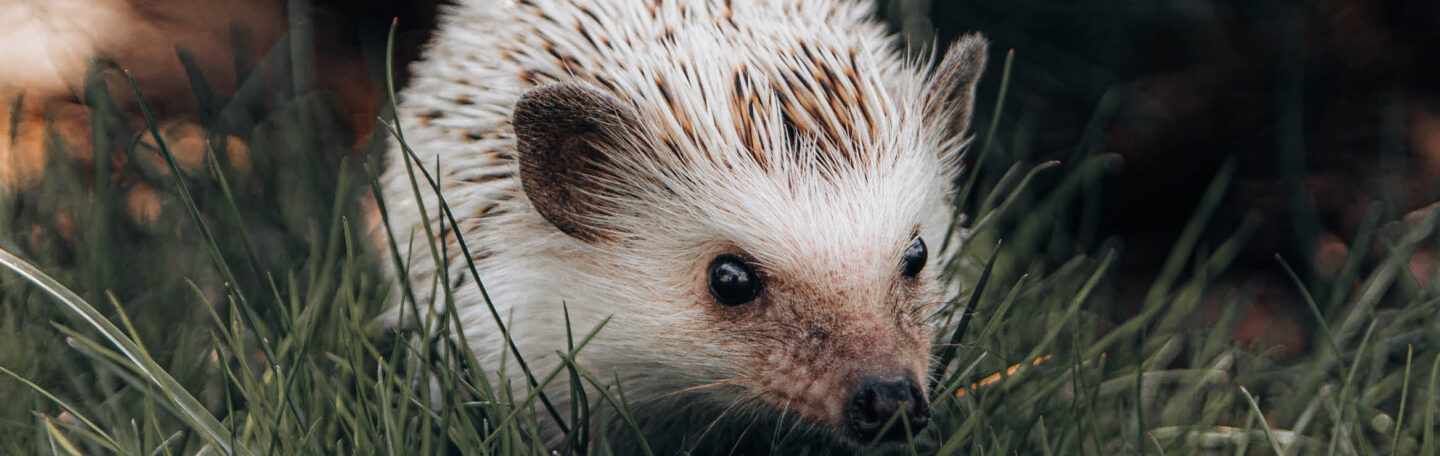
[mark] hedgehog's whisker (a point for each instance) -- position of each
(732, 407)
(707, 385)
(955, 345)
(941, 308)
(950, 325)
(794, 425)
(784, 411)
(754, 416)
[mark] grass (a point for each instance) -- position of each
(241, 320)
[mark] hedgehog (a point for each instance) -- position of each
(746, 192)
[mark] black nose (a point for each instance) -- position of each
(878, 399)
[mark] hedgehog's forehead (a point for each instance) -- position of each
(798, 139)
(855, 221)
(808, 163)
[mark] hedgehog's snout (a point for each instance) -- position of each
(880, 398)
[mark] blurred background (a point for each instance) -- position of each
(1327, 109)
(1202, 141)
(1328, 113)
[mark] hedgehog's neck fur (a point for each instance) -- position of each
(793, 125)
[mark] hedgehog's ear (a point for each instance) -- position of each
(952, 89)
(563, 134)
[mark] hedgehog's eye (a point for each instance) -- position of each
(732, 282)
(913, 260)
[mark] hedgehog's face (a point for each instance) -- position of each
(838, 339)
(809, 282)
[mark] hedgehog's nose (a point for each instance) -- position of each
(878, 399)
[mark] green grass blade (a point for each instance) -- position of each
(104, 439)
(1404, 394)
(970, 310)
(193, 413)
(1427, 439)
(1264, 423)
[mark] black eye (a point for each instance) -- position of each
(732, 282)
(913, 260)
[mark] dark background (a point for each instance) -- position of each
(1326, 108)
